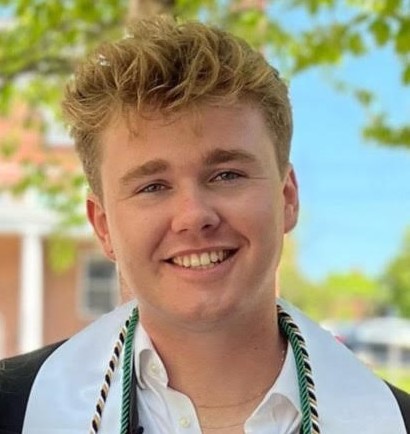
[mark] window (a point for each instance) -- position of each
(99, 286)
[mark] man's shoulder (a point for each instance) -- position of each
(17, 375)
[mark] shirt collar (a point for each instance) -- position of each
(147, 360)
(147, 363)
(286, 385)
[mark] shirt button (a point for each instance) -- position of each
(184, 422)
(154, 368)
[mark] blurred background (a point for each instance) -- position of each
(347, 264)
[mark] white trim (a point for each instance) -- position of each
(31, 291)
(17, 213)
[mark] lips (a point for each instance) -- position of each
(201, 260)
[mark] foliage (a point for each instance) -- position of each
(42, 40)
(61, 252)
(41, 44)
(296, 288)
(333, 31)
(396, 279)
(348, 296)
(353, 295)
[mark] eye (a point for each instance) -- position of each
(153, 188)
(227, 175)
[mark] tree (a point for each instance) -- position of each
(352, 295)
(396, 279)
(296, 287)
(42, 40)
(40, 44)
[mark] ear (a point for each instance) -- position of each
(291, 199)
(98, 218)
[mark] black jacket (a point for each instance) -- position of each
(17, 375)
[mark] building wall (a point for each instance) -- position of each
(62, 311)
(63, 315)
(9, 293)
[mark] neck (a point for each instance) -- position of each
(214, 366)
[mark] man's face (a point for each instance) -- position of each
(194, 212)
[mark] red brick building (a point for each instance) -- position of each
(39, 305)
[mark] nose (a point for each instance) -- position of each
(194, 212)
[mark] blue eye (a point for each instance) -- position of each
(228, 175)
(153, 188)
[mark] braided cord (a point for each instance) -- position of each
(126, 331)
(310, 416)
(127, 372)
(109, 373)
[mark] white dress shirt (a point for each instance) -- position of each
(63, 398)
(163, 410)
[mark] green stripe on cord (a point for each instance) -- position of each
(127, 372)
(304, 373)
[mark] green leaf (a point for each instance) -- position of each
(365, 97)
(380, 131)
(391, 6)
(61, 253)
(406, 75)
(402, 44)
(355, 44)
(380, 31)
(6, 94)
(9, 145)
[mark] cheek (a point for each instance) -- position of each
(264, 214)
(136, 235)
(268, 229)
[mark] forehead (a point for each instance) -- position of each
(142, 145)
(197, 121)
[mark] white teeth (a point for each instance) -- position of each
(179, 261)
(195, 261)
(205, 259)
(214, 256)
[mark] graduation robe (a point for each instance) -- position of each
(54, 390)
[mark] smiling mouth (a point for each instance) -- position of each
(202, 260)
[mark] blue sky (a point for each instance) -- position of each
(355, 195)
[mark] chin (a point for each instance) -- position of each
(206, 316)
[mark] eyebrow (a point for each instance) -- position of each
(157, 166)
(149, 168)
(219, 156)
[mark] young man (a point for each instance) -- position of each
(184, 134)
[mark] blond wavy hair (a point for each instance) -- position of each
(169, 66)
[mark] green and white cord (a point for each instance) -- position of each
(310, 416)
